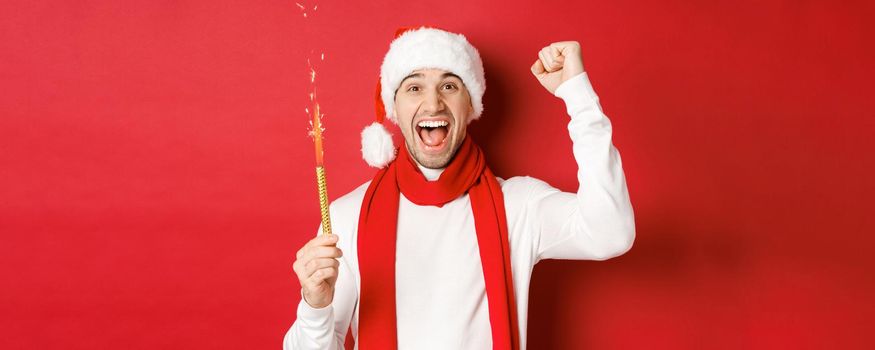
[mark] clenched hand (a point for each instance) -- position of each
(557, 63)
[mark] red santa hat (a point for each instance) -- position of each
(412, 49)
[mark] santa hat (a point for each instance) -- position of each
(412, 49)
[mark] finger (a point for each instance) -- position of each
(296, 267)
(545, 61)
(322, 252)
(538, 68)
(316, 264)
(300, 273)
(566, 47)
(545, 58)
(312, 283)
(556, 57)
(323, 240)
(549, 61)
(320, 241)
(320, 276)
(554, 52)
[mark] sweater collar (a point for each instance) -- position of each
(430, 174)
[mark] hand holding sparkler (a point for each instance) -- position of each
(316, 265)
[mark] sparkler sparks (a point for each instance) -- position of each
(304, 8)
(316, 128)
(313, 112)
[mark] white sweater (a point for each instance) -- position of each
(441, 295)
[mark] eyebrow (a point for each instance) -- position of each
(420, 75)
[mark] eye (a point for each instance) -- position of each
(449, 86)
(413, 88)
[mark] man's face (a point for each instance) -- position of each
(432, 107)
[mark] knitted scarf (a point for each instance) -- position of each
(378, 223)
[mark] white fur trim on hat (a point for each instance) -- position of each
(431, 48)
(378, 149)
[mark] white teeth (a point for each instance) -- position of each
(432, 123)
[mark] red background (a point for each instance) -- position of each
(156, 177)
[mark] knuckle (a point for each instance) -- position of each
(301, 273)
(310, 285)
(301, 278)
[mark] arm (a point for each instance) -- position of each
(597, 222)
(314, 329)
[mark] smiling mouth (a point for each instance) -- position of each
(433, 133)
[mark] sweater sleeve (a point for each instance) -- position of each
(596, 223)
(325, 328)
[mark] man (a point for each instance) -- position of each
(436, 252)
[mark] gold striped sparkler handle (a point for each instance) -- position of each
(323, 200)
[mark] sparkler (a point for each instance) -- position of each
(316, 133)
(320, 169)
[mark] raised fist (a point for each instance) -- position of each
(557, 63)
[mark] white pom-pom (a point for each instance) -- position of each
(378, 149)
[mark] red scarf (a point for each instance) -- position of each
(378, 223)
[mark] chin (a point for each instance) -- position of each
(432, 161)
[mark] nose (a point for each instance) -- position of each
(432, 103)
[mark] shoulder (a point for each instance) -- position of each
(345, 212)
(523, 186)
(520, 191)
(352, 201)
